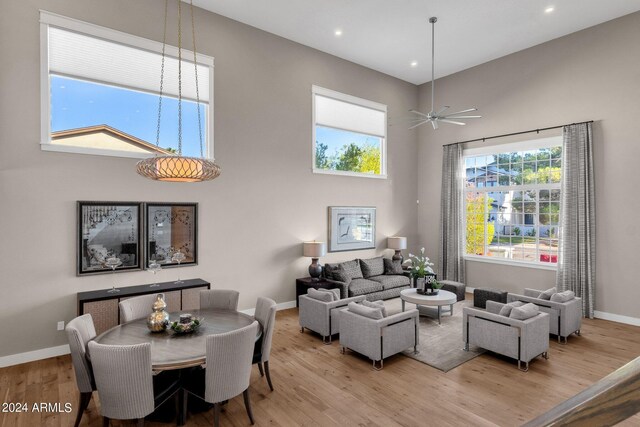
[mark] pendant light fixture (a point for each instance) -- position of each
(178, 168)
(433, 116)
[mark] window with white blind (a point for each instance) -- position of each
(349, 135)
(100, 93)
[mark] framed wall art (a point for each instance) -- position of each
(171, 233)
(351, 228)
(108, 230)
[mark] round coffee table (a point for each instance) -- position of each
(443, 298)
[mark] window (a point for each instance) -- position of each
(512, 202)
(349, 135)
(100, 92)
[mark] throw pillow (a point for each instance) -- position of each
(563, 296)
(362, 310)
(320, 296)
(329, 271)
(547, 294)
(524, 312)
(392, 266)
(372, 267)
(506, 309)
(334, 292)
(347, 271)
(376, 304)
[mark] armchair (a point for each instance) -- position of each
(522, 340)
(565, 318)
(379, 338)
(322, 317)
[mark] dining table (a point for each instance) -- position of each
(173, 351)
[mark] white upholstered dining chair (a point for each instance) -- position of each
(79, 332)
(136, 308)
(224, 299)
(266, 315)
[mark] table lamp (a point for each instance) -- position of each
(397, 244)
(314, 250)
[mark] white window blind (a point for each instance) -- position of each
(76, 55)
(334, 113)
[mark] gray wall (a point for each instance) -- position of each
(252, 219)
(590, 75)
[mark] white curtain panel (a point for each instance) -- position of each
(450, 261)
(577, 251)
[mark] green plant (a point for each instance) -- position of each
(477, 208)
(531, 233)
(421, 265)
(516, 231)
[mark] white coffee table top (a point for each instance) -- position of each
(443, 297)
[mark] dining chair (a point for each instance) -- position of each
(265, 314)
(79, 332)
(125, 382)
(224, 299)
(227, 372)
(136, 308)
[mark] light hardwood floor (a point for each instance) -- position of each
(316, 385)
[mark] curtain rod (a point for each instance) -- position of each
(516, 133)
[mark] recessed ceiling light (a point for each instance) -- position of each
(549, 9)
(414, 63)
(338, 32)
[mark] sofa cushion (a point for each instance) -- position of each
(372, 267)
(563, 296)
(330, 270)
(547, 294)
(320, 295)
(524, 312)
(347, 271)
(506, 309)
(392, 266)
(376, 304)
(391, 281)
(363, 287)
(362, 310)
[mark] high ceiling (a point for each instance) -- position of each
(388, 35)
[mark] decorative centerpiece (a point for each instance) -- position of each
(423, 275)
(159, 319)
(186, 324)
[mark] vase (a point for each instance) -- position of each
(159, 319)
(420, 284)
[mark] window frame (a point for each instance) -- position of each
(360, 102)
(527, 145)
(48, 19)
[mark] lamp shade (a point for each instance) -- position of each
(314, 249)
(397, 243)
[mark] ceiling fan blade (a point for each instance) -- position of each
(442, 110)
(419, 113)
(463, 111)
(453, 122)
(421, 123)
(461, 117)
(435, 124)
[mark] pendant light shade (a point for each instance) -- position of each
(178, 168)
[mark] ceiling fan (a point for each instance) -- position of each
(433, 116)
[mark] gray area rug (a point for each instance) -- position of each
(440, 346)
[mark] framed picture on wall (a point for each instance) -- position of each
(171, 233)
(108, 230)
(351, 228)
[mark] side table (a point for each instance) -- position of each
(303, 285)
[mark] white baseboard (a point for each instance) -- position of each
(31, 356)
(45, 353)
(617, 318)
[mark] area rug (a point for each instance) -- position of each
(441, 345)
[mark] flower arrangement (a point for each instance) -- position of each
(420, 265)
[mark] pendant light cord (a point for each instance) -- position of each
(195, 65)
(179, 77)
(164, 43)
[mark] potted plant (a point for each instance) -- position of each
(420, 270)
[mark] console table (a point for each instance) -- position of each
(103, 306)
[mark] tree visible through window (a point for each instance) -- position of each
(512, 203)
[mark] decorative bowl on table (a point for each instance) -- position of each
(186, 327)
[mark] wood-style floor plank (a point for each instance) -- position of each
(315, 385)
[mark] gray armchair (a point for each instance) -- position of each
(565, 318)
(522, 340)
(79, 332)
(136, 308)
(224, 299)
(379, 338)
(322, 317)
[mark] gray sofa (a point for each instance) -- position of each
(375, 278)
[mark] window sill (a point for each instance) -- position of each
(514, 263)
(93, 151)
(346, 173)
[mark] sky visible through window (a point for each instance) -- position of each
(335, 139)
(77, 104)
